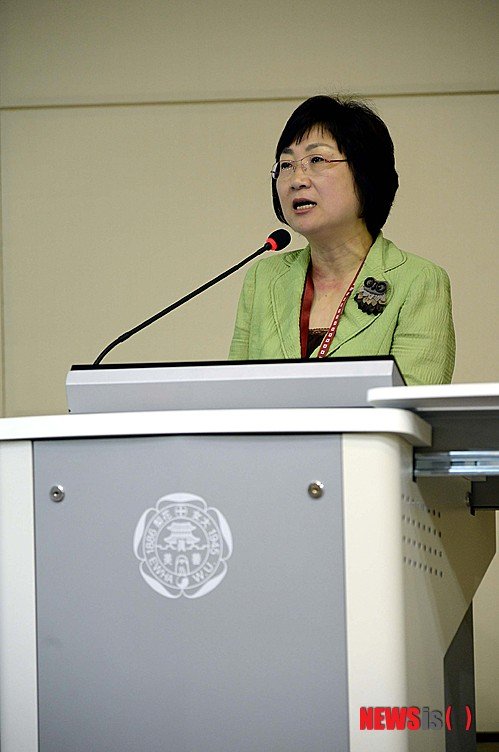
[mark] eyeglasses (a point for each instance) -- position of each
(315, 163)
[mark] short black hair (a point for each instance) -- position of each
(363, 138)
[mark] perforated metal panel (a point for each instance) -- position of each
(422, 537)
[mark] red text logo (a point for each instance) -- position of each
(412, 718)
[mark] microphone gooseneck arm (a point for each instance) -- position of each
(275, 242)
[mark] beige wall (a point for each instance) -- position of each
(65, 51)
(136, 140)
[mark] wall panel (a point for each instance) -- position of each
(112, 213)
(68, 51)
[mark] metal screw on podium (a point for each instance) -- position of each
(57, 493)
(316, 489)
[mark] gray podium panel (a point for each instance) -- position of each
(190, 595)
(327, 382)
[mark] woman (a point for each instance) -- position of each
(350, 292)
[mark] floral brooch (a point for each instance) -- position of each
(371, 298)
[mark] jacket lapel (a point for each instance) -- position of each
(285, 294)
(382, 257)
(287, 289)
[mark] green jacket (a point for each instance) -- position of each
(415, 326)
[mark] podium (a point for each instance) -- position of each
(235, 579)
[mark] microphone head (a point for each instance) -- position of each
(278, 240)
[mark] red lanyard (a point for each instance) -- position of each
(306, 306)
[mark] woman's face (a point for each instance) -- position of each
(324, 206)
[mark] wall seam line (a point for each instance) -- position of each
(241, 100)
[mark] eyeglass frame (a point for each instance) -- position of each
(295, 162)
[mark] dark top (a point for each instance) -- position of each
(315, 337)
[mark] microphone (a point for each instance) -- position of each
(276, 241)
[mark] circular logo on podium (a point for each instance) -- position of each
(182, 545)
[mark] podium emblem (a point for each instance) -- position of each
(182, 545)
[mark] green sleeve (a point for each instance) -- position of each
(423, 343)
(239, 348)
